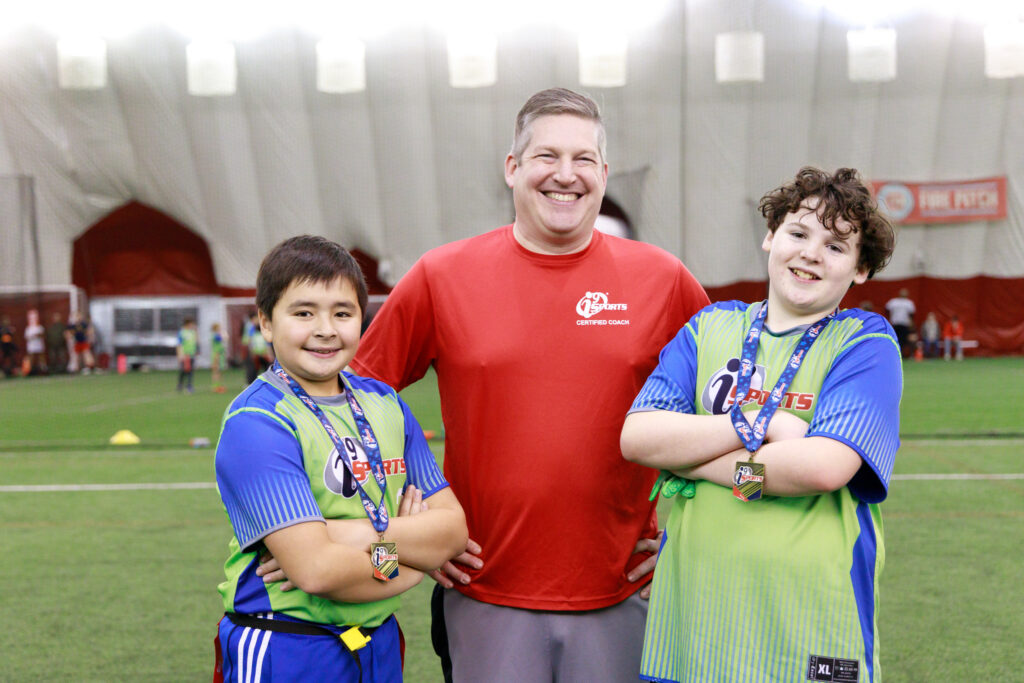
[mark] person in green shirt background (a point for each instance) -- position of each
(188, 347)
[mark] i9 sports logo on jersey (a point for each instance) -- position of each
(720, 391)
(344, 472)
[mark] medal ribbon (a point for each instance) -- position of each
(378, 514)
(753, 436)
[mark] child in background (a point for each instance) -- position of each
(778, 424)
(953, 338)
(80, 335)
(310, 463)
(217, 346)
(35, 346)
(188, 348)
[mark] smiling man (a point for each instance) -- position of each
(541, 332)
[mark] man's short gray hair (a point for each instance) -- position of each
(551, 102)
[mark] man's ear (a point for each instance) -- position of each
(510, 170)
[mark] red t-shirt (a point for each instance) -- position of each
(952, 330)
(538, 358)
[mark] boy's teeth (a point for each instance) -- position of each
(803, 274)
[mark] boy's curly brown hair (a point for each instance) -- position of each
(841, 196)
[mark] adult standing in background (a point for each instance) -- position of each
(541, 333)
(901, 310)
(8, 347)
(56, 345)
(931, 333)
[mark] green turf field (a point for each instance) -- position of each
(120, 583)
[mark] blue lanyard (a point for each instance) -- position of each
(753, 436)
(378, 514)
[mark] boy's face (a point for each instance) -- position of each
(315, 328)
(809, 267)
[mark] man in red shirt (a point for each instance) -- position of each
(541, 332)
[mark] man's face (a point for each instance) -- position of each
(557, 184)
(809, 267)
(315, 332)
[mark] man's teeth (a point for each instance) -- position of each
(557, 196)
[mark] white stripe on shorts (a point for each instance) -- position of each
(263, 651)
(240, 658)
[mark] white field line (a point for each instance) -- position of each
(46, 488)
(956, 477)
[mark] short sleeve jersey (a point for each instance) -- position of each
(764, 591)
(276, 466)
(538, 357)
(188, 340)
(901, 310)
(217, 343)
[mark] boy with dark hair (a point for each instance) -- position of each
(187, 350)
(310, 463)
(777, 424)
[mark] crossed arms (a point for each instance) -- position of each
(332, 560)
(707, 447)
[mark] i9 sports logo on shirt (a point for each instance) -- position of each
(720, 391)
(338, 473)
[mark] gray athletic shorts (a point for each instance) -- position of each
(492, 644)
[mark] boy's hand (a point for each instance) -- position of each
(643, 570)
(450, 572)
(357, 533)
(271, 572)
(412, 502)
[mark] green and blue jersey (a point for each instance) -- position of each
(782, 589)
(188, 340)
(276, 466)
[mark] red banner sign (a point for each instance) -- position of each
(954, 202)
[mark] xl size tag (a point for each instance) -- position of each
(833, 669)
(384, 557)
(748, 481)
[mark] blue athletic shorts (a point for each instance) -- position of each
(250, 655)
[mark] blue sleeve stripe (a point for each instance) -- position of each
(421, 467)
(662, 390)
(272, 415)
(870, 335)
(265, 506)
(852, 422)
(661, 393)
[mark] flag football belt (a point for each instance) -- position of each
(354, 638)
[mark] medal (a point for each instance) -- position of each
(384, 558)
(748, 480)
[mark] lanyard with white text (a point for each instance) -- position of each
(378, 514)
(749, 478)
